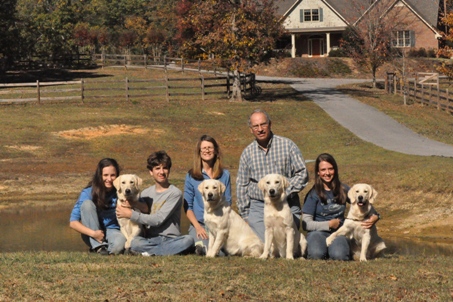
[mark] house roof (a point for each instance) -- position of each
(427, 9)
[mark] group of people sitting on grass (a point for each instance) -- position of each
(95, 213)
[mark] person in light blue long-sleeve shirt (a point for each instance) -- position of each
(94, 215)
(207, 165)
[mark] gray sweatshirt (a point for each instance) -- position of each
(165, 216)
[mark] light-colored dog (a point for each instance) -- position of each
(282, 236)
(225, 227)
(128, 188)
(364, 242)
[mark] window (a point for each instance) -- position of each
(311, 15)
(403, 38)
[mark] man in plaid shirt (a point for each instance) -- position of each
(267, 154)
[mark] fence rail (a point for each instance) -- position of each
(127, 89)
(425, 90)
(164, 62)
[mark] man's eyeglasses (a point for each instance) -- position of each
(262, 126)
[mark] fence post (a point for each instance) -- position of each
(228, 83)
(430, 94)
(125, 62)
(167, 90)
(423, 95)
(127, 90)
(438, 93)
(145, 57)
(82, 90)
(182, 64)
(395, 79)
(202, 86)
(448, 99)
(38, 91)
(199, 65)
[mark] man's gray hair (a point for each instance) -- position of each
(268, 119)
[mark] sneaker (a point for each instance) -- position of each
(101, 250)
(200, 250)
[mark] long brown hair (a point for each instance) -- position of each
(98, 190)
(337, 188)
(217, 169)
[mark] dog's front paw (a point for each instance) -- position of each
(210, 255)
(290, 257)
(329, 240)
(264, 256)
(363, 259)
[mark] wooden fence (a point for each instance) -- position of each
(127, 89)
(164, 62)
(424, 89)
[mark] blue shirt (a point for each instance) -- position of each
(281, 157)
(106, 216)
(192, 197)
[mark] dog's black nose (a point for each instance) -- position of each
(210, 195)
(272, 191)
(360, 197)
(128, 191)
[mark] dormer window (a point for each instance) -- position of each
(311, 15)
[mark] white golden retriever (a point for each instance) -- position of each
(128, 188)
(364, 242)
(282, 237)
(225, 227)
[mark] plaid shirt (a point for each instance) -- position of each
(282, 157)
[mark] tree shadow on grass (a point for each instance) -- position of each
(48, 75)
(273, 91)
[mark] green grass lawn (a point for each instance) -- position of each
(48, 153)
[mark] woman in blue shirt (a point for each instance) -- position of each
(207, 165)
(94, 214)
(324, 209)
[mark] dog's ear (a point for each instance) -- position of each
(200, 187)
(262, 184)
(138, 182)
(351, 194)
(373, 194)
(222, 187)
(285, 183)
(116, 184)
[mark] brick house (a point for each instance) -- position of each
(316, 26)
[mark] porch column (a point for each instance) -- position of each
(327, 44)
(293, 45)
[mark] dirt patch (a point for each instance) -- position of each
(24, 147)
(109, 130)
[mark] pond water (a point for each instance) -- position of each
(49, 230)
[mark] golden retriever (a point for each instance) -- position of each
(225, 227)
(128, 188)
(282, 236)
(364, 242)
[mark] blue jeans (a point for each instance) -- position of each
(193, 234)
(113, 238)
(317, 247)
(256, 215)
(162, 245)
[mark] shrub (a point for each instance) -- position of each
(337, 66)
(337, 53)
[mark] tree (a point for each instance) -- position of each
(8, 32)
(369, 40)
(237, 34)
(447, 39)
